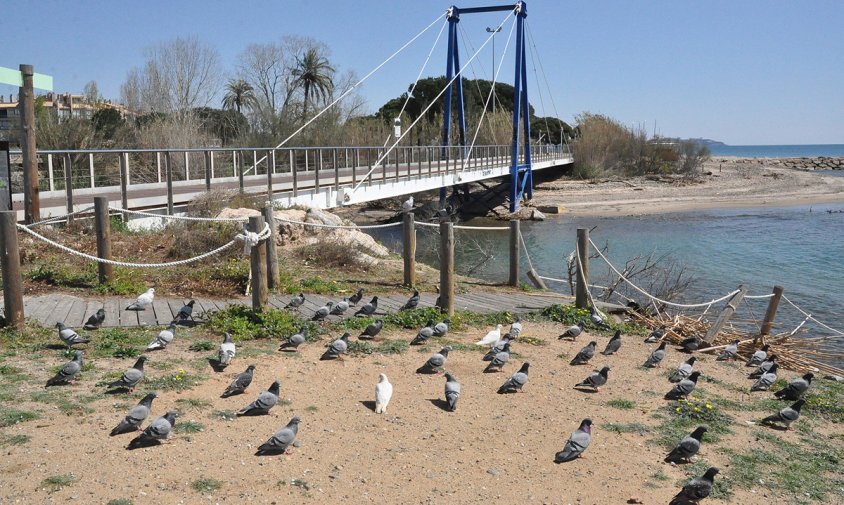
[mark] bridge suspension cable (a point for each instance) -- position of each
(544, 77)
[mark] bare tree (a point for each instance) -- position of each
(91, 92)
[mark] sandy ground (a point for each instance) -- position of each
(494, 448)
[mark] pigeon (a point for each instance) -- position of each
(295, 340)
(597, 320)
(281, 440)
(296, 301)
(683, 388)
(787, 415)
(372, 330)
(498, 347)
(656, 335)
(407, 206)
(70, 337)
(515, 328)
(337, 348)
(383, 393)
(369, 308)
(576, 444)
(440, 329)
(795, 389)
(764, 367)
(136, 416)
(67, 372)
(95, 321)
(692, 344)
(688, 447)
(164, 338)
(240, 383)
(729, 352)
(491, 337)
(411, 303)
(595, 380)
(696, 489)
(158, 430)
(758, 356)
(499, 360)
(573, 332)
(683, 371)
(424, 334)
(452, 391)
(516, 381)
(186, 312)
(322, 312)
(613, 345)
(435, 363)
(585, 354)
(226, 351)
(341, 307)
(132, 376)
(766, 380)
(262, 404)
(355, 298)
(656, 356)
(143, 301)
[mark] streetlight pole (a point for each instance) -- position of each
(493, 31)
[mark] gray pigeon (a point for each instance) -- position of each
(164, 338)
(576, 444)
(294, 341)
(656, 335)
(613, 345)
(227, 351)
(787, 415)
(597, 319)
(440, 329)
(240, 383)
(729, 352)
(424, 334)
(452, 391)
(696, 489)
(262, 404)
(185, 313)
(795, 389)
(572, 332)
(158, 430)
(337, 348)
(67, 372)
(281, 440)
(656, 356)
(411, 303)
(498, 347)
(296, 301)
(95, 321)
(585, 354)
(132, 376)
(499, 360)
(688, 447)
(764, 367)
(369, 308)
(758, 356)
(355, 298)
(595, 380)
(372, 330)
(435, 363)
(683, 388)
(516, 381)
(683, 371)
(692, 344)
(766, 380)
(341, 307)
(136, 416)
(70, 337)
(322, 312)
(515, 328)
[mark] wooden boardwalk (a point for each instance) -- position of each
(73, 311)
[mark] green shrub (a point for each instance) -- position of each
(243, 323)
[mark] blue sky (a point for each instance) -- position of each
(748, 72)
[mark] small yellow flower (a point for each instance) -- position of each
(697, 409)
(678, 409)
(708, 406)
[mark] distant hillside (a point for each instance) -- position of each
(708, 142)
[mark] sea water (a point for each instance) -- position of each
(779, 151)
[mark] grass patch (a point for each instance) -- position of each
(55, 483)
(180, 381)
(826, 398)
(12, 375)
(61, 275)
(311, 408)
(9, 440)
(186, 427)
(245, 324)
(206, 485)
(124, 281)
(119, 343)
(358, 347)
(192, 403)
(418, 318)
(120, 501)
(637, 428)
(682, 417)
(11, 417)
(202, 346)
(620, 403)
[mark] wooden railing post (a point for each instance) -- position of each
(409, 248)
(259, 266)
(771, 313)
(514, 252)
(10, 264)
(26, 109)
(725, 314)
(581, 298)
(102, 223)
(272, 252)
(447, 268)
(207, 170)
(168, 168)
(270, 172)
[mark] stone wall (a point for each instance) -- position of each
(817, 163)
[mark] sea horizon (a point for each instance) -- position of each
(778, 151)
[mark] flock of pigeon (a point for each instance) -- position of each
(684, 378)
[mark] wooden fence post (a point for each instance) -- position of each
(514, 252)
(725, 314)
(26, 109)
(409, 248)
(272, 252)
(447, 268)
(771, 313)
(207, 170)
(102, 223)
(10, 263)
(581, 299)
(259, 266)
(168, 168)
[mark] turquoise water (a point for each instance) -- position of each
(784, 151)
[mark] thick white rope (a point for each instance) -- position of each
(461, 227)
(57, 219)
(182, 218)
(758, 297)
(809, 316)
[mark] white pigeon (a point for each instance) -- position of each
(163, 339)
(407, 206)
(491, 337)
(227, 350)
(143, 302)
(383, 393)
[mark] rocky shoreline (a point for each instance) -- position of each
(805, 164)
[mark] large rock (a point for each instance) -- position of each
(358, 240)
(290, 233)
(323, 217)
(228, 213)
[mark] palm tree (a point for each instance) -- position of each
(239, 93)
(313, 74)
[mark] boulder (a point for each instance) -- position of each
(322, 217)
(240, 213)
(358, 240)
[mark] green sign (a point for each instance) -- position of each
(15, 78)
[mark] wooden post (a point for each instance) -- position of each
(240, 171)
(10, 263)
(725, 314)
(272, 253)
(207, 170)
(536, 280)
(68, 185)
(5, 177)
(259, 266)
(168, 169)
(771, 313)
(102, 224)
(270, 172)
(514, 252)
(581, 298)
(447, 268)
(26, 110)
(409, 248)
